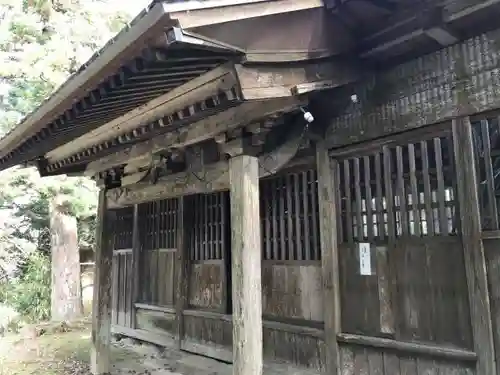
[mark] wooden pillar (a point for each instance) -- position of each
(136, 253)
(182, 265)
(329, 214)
(474, 257)
(101, 305)
(246, 265)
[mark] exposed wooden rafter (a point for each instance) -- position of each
(169, 123)
(130, 90)
(254, 82)
(436, 28)
(218, 80)
(432, 22)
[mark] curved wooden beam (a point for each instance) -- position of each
(213, 177)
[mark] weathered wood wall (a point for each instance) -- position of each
(122, 283)
(291, 273)
(486, 137)
(122, 273)
(420, 92)
(211, 334)
(398, 195)
(291, 277)
(208, 243)
(492, 253)
(410, 314)
(161, 322)
(356, 359)
(158, 248)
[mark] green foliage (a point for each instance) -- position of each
(42, 42)
(24, 95)
(30, 295)
(28, 197)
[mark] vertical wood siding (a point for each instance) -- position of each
(208, 242)
(158, 239)
(289, 217)
(122, 280)
(486, 137)
(492, 254)
(400, 197)
(291, 272)
(370, 361)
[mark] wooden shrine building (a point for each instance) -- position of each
(292, 182)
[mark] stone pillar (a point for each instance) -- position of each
(66, 291)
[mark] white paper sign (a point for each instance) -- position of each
(365, 261)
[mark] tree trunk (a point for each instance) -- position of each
(66, 303)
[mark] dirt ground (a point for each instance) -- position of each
(63, 350)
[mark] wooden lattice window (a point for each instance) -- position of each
(486, 136)
(122, 227)
(158, 238)
(289, 217)
(208, 239)
(398, 198)
(158, 222)
(400, 190)
(208, 248)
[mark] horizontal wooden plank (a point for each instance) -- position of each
(275, 325)
(208, 314)
(490, 235)
(122, 251)
(285, 262)
(408, 347)
(146, 336)
(144, 306)
(196, 14)
(208, 261)
(208, 350)
(292, 328)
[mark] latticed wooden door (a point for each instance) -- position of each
(401, 258)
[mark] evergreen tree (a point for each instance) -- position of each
(42, 42)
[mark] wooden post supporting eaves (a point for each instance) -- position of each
(475, 263)
(329, 214)
(246, 265)
(101, 305)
